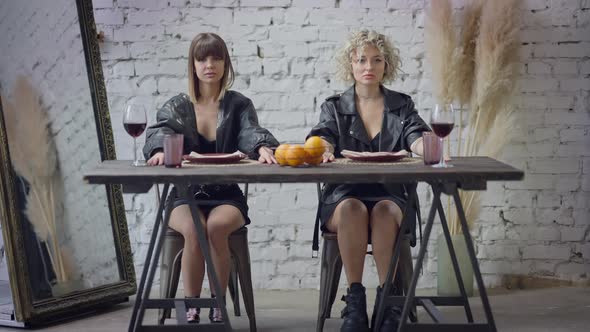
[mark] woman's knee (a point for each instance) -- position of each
(351, 212)
(386, 213)
(352, 208)
(220, 227)
(184, 224)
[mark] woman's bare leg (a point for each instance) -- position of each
(223, 220)
(385, 219)
(350, 221)
(192, 263)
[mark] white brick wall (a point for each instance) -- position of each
(537, 227)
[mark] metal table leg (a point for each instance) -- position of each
(139, 297)
(143, 301)
(395, 255)
(476, 272)
(151, 268)
(419, 261)
(204, 244)
(452, 253)
(430, 302)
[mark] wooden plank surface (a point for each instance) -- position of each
(465, 170)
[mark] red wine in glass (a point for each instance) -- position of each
(134, 129)
(442, 129)
(135, 121)
(442, 121)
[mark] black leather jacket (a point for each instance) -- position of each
(341, 125)
(237, 126)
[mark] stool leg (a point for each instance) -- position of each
(171, 285)
(233, 287)
(165, 273)
(405, 272)
(239, 247)
(331, 267)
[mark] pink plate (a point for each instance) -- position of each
(375, 156)
(215, 158)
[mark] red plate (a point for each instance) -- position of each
(214, 158)
(375, 156)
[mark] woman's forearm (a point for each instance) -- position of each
(418, 147)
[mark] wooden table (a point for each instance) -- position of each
(468, 173)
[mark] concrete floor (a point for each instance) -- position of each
(555, 309)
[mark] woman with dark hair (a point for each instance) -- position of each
(213, 119)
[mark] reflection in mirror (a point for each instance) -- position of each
(65, 225)
(60, 235)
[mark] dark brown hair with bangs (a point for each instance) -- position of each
(202, 46)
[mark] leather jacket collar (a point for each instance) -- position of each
(392, 123)
(392, 100)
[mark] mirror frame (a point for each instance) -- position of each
(34, 312)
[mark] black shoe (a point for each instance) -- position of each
(391, 314)
(355, 312)
(215, 315)
(192, 314)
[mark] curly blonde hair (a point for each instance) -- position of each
(356, 43)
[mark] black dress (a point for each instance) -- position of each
(368, 193)
(209, 197)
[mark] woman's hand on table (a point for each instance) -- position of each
(266, 155)
(157, 159)
(328, 157)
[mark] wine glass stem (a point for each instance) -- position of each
(442, 152)
(134, 151)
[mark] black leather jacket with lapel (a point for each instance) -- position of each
(341, 125)
(237, 126)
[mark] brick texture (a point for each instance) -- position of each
(283, 51)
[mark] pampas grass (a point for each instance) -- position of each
(464, 61)
(34, 157)
(496, 59)
(440, 46)
(482, 76)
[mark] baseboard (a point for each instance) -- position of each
(533, 282)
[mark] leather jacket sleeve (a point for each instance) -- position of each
(327, 127)
(251, 136)
(167, 122)
(414, 126)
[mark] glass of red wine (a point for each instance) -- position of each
(442, 121)
(135, 121)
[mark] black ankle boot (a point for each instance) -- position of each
(391, 314)
(355, 312)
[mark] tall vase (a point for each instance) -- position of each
(447, 280)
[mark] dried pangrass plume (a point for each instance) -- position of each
(492, 119)
(464, 60)
(34, 157)
(481, 75)
(440, 46)
(496, 59)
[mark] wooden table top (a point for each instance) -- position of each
(466, 169)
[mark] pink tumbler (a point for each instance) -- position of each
(432, 148)
(173, 150)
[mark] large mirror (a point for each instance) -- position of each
(65, 243)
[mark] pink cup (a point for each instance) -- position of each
(432, 148)
(173, 150)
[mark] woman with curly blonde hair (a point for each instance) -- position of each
(366, 117)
